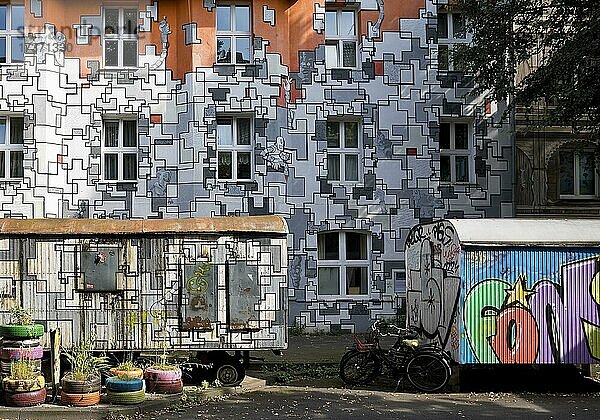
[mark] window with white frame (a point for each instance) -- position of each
(343, 263)
(12, 39)
(451, 30)
(456, 152)
(120, 151)
(120, 37)
(343, 151)
(340, 39)
(234, 148)
(578, 174)
(233, 33)
(11, 147)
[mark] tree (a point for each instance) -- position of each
(536, 50)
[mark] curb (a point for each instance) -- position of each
(153, 403)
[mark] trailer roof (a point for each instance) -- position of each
(75, 227)
(528, 231)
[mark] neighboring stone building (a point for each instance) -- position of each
(346, 117)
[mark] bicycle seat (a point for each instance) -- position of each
(411, 343)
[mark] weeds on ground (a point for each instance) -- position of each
(283, 373)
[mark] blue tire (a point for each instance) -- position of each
(118, 385)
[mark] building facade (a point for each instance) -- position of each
(346, 117)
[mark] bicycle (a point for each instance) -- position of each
(426, 366)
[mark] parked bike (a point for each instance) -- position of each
(426, 366)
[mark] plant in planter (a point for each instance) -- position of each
(163, 378)
(20, 338)
(81, 386)
(24, 387)
(21, 325)
(125, 390)
(127, 368)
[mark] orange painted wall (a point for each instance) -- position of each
(277, 36)
(302, 36)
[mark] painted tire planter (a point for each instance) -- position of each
(5, 366)
(164, 387)
(30, 342)
(118, 385)
(25, 399)
(126, 398)
(73, 386)
(136, 373)
(22, 331)
(162, 375)
(80, 400)
(23, 385)
(16, 353)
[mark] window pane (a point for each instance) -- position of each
(223, 50)
(567, 172)
(243, 127)
(130, 17)
(442, 25)
(458, 25)
(129, 166)
(17, 49)
(331, 55)
(242, 50)
(223, 18)
(462, 168)
(461, 136)
(111, 53)
(349, 58)
(2, 164)
(242, 18)
(444, 136)
(111, 134)
(2, 131)
(356, 280)
(347, 25)
(329, 281)
(17, 126)
(333, 167)
(17, 22)
(225, 132)
(443, 57)
(356, 246)
(445, 169)
(351, 134)
(330, 24)
(587, 174)
(2, 49)
(333, 134)
(2, 17)
(351, 168)
(16, 164)
(129, 133)
(243, 165)
(328, 245)
(111, 170)
(224, 168)
(130, 53)
(111, 21)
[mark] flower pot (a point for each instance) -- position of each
(80, 400)
(23, 385)
(115, 384)
(135, 373)
(74, 386)
(164, 387)
(21, 331)
(157, 374)
(126, 398)
(25, 399)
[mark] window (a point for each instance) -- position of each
(12, 39)
(578, 175)
(120, 150)
(120, 37)
(233, 34)
(340, 39)
(343, 151)
(234, 148)
(455, 152)
(11, 147)
(451, 29)
(343, 264)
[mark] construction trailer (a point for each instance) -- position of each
(507, 290)
(204, 285)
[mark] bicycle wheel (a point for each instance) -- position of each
(428, 372)
(359, 368)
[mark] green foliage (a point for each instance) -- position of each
(127, 365)
(537, 51)
(126, 377)
(22, 369)
(21, 316)
(84, 364)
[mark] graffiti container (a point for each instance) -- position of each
(507, 290)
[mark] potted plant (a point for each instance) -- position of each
(163, 378)
(125, 390)
(127, 368)
(24, 387)
(21, 325)
(81, 386)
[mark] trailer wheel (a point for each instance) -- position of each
(231, 373)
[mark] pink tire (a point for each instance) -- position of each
(12, 353)
(162, 375)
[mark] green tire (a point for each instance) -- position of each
(22, 331)
(126, 398)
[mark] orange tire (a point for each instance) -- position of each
(136, 373)
(80, 400)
